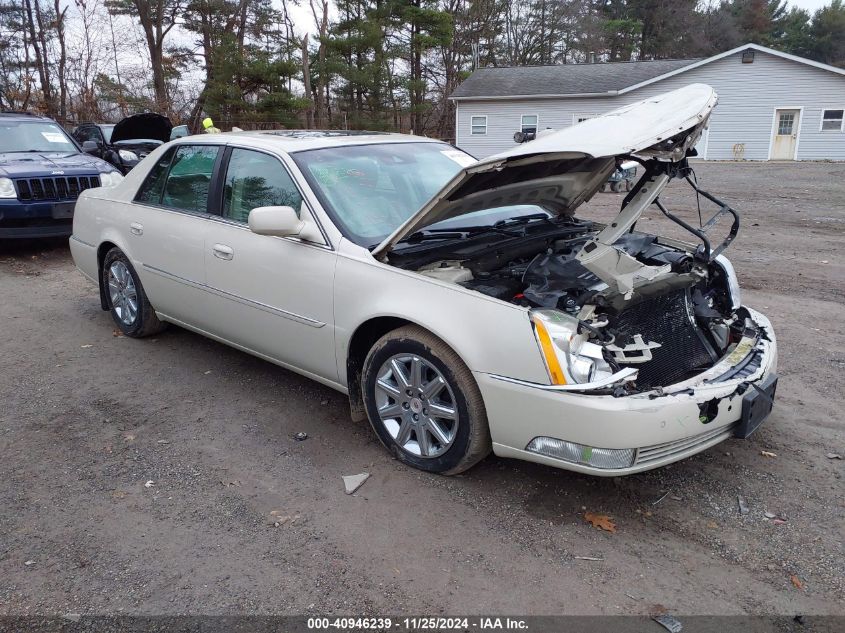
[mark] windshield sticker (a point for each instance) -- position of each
(54, 137)
(464, 160)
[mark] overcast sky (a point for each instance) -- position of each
(809, 5)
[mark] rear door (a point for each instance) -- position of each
(167, 231)
(272, 295)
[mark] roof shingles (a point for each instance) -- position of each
(563, 79)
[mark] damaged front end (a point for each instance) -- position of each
(634, 311)
(614, 311)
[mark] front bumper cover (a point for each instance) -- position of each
(20, 220)
(662, 427)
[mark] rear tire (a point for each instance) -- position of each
(125, 297)
(423, 402)
(616, 187)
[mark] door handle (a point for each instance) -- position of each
(222, 251)
(136, 229)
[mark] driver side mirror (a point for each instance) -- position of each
(282, 222)
(91, 147)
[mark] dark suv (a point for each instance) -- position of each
(42, 171)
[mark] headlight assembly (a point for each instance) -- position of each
(125, 154)
(110, 178)
(733, 283)
(7, 188)
(570, 358)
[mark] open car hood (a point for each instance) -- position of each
(561, 170)
(148, 125)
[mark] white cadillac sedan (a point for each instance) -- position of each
(461, 305)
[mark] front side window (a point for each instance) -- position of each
(529, 123)
(478, 125)
(253, 180)
(189, 180)
(370, 190)
(832, 120)
(34, 136)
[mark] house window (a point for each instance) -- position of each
(479, 125)
(529, 123)
(832, 120)
(578, 118)
(785, 123)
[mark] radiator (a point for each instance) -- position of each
(668, 320)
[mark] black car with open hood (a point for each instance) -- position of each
(124, 145)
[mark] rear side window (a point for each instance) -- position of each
(150, 191)
(87, 134)
(256, 180)
(189, 179)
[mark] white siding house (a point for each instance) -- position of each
(772, 106)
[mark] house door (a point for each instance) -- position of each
(787, 123)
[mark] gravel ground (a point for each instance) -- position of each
(147, 476)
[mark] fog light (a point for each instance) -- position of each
(580, 454)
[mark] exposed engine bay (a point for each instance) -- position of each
(661, 310)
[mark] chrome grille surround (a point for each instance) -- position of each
(50, 188)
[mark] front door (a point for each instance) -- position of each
(787, 123)
(272, 295)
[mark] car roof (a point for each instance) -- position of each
(23, 116)
(291, 141)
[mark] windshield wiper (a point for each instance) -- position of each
(524, 219)
(425, 235)
(463, 232)
(456, 234)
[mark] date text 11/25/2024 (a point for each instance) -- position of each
(422, 623)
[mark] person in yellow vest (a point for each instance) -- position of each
(208, 125)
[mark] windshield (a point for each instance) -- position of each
(370, 190)
(34, 136)
(107, 130)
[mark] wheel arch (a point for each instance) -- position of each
(360, 343)
(102, 249)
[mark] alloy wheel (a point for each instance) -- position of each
(416, 405)
(123, 294)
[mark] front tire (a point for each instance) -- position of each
(125, 297)
(423, 402)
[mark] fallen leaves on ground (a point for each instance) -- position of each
(600, 521)
(796, 581)
(768, 454)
